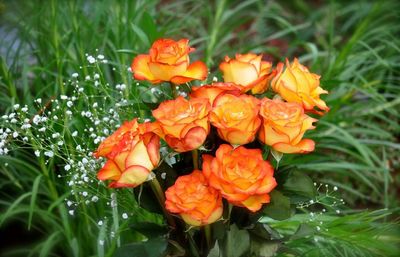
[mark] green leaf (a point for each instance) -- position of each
(279, 207)
(215, 251)
(141, 34)
(154, 247)
(277, 155)
(149, 27)
(150, 230)
(35, 188)
(303, 231)
(298, 183)
(264, 248)
(237, 242)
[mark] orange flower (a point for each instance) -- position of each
(214, 90)
(297, 84)
(241, 175)
(108, 144)
(248, 71)
(236, 118)
(132, 158)
(168, 60)
(184, 123)
(284, 125)
(192, 198)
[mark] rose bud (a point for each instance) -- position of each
(296, 84)
(132, 159)
(214, 90)
(184, 123)
(284, 125)
(241, 175)
(248, 71)
(168, 60)
(197, 203)
(236, 118)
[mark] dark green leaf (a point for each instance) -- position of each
(150, 230)
(237, 242)
(154, 247)
(279, 207)
(303, 231)
(264, 248)
(298, 183)
(215, 251)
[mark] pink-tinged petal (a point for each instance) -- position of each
(110, 170)
(197, 70)
(140, 69)
(305, 146)
(166, 72)
(134, 176)
(153, 149)
(195, 138)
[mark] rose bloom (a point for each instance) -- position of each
(214, 90)
(241, 175)
(132, 158)
(197, 203)
(236, 118)
(248, 71)
(168, 60)
(184, 123)
(297, 84)
(284, 125)
(108, 144)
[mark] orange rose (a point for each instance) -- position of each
(214, 90)
(241, 175)
(168, 60)
(297, 84)
(108, 144)
(236, 118)
(248, 71)
(192, 198)
(284, 125)
(184, 123)
(132, 158)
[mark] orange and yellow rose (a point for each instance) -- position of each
(133, 156)
(297, 84)
(108, 144)
(236, 118)
(214, 90)
(194, 200)
(241, 175)
(168, 60)
(249, 71)
(284, 125)
(184, 123)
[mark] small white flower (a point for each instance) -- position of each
(64, 97)
(37, 153)
(69, 203)
(85, 193)
(91, 59)
(67, 167)
(71, 212)
(100, 57)
(95, 199)
(75, 133)
(15, 134)
(335, 188)
(101, 242)
(96, 76)
(124, 216)
(100, 223)
(16, 106)
(75, 75)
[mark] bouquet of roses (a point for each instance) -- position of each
(225, 137)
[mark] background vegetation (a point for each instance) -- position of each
(353, 44)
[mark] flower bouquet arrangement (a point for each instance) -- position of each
(208, 158)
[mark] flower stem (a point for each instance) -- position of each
(173, 90)
(207, 233)
(195, 157)
(155, 186)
